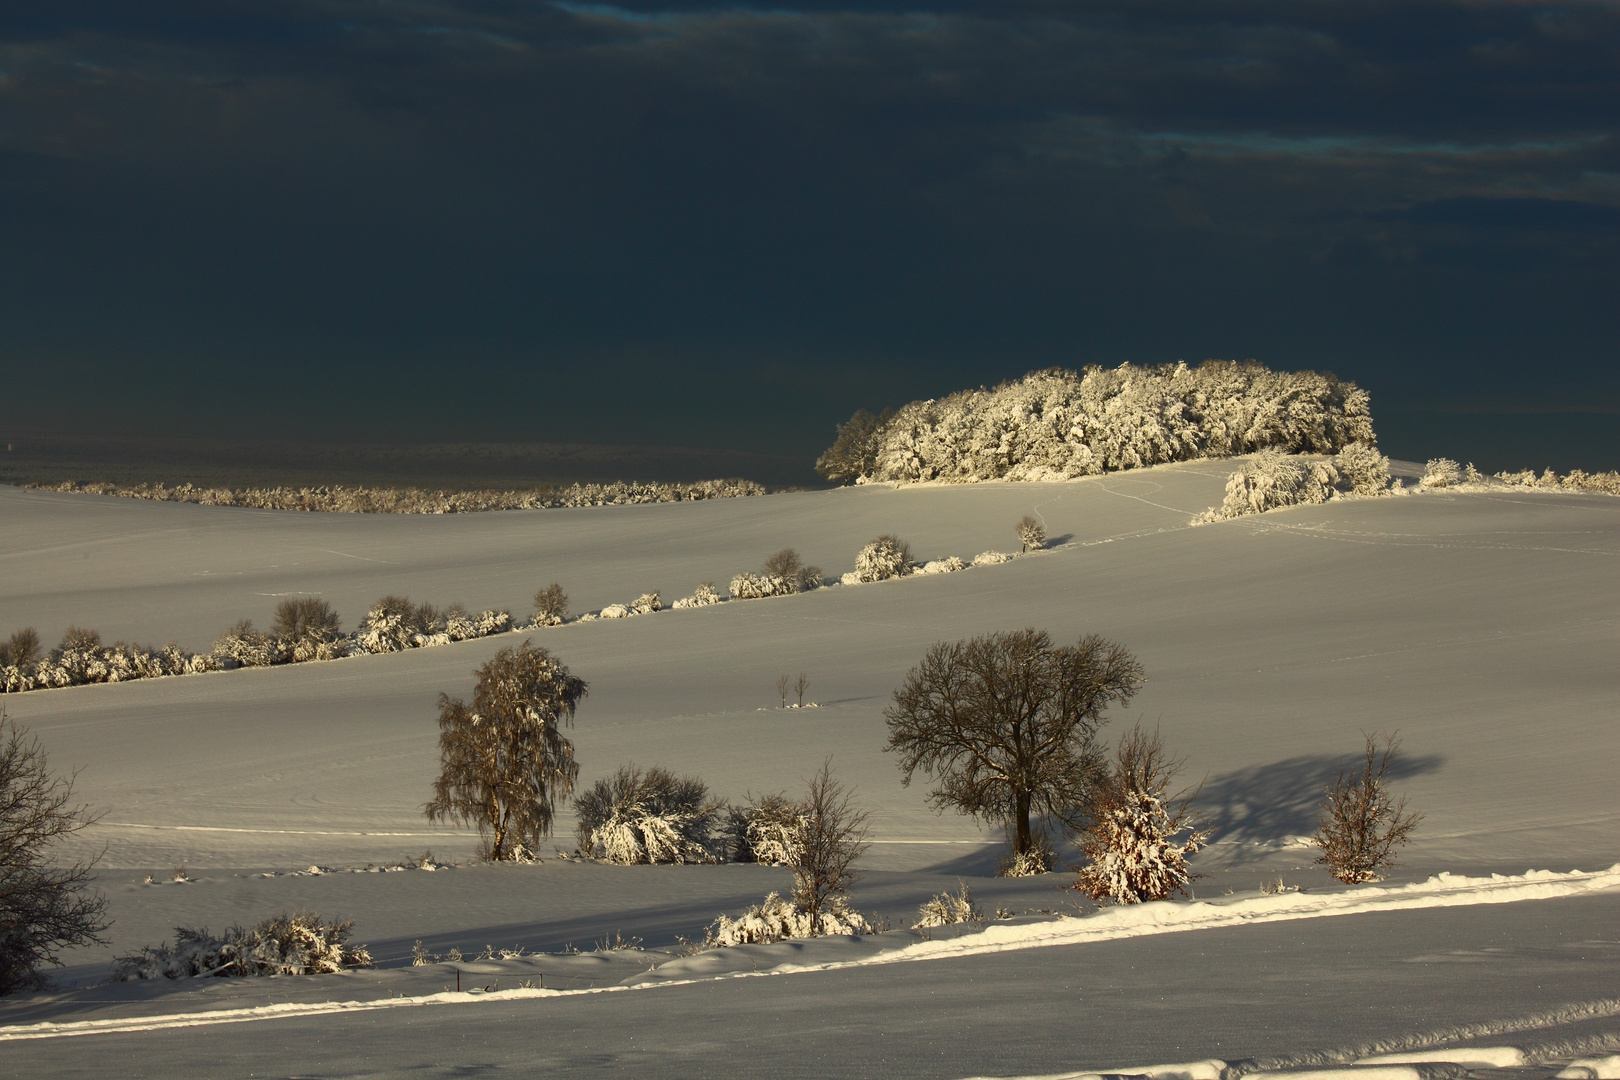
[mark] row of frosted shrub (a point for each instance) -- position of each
(364, 500)
(306, 628)
(1443, 472)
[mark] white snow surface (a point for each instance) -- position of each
(1480, 625)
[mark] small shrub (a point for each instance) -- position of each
(947, 910)
(702, 596)
(1032, 863)
(646, 604)
(1359, 826)
(249, 648)
(1440, 473)
(991, 558)
(883, 558)
(1271, 480)
(1031, 533)
(309, 625)
(648, 816)
(776, 919)
(1363, 468)
(297, 944)
(767, 829)
(21, 649)
(615, 611)
(948, 565)
(746, 586)
(392, 624)
(550, 605)
(795, 575)
(1131, 846)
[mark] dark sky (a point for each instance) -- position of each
(686, 224)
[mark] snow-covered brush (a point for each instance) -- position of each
(1132, 848)
(297, 944)
(648, 816)
(947, 909)
(702, 596)
(1360, 825)
(883, 558)
(776, 919)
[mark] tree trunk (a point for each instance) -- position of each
(1023, 841)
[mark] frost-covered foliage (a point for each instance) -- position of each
(1441, 472)
(82, 658)
(394, 624)
(1056, 423)
(786, 566)
(504, 761)
(648, 816)
(310, 628)
(646, 604)
(1032, 863)
(361, 500)
(1131, 846)
(946, 909)
(702, 596)
(950, 564)
(615, 611)
(244, 646)
(991, 558)
(1575, 480)
(1363, 468)
(750, 586)
(766, 829)
(886, 557)
(297, 944)
(550, 606)
(776, 919)
(1031, 533)
(1270, 480)
(1359, 825)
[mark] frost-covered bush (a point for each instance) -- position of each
(702, 596)
(1575, 480)
(297, 944)
(310, 628)
(1360, 825)
(646, 604)
(82, 658)
(392, 624)
(947, 910)
(1032, 863)
(950, 564)
(883, 558)
(244, 645)
(648, 816)
(1440, 473)
(797, 575)
(776, 919)
(749, 586)
(615, 611)
(458, 624)
(991, 558)
(1363, 468)
(1131, 847)
(1054, 424)
(1270, 480)
(550, 605)
(766, 829)
(1031, 533)
(361, 500)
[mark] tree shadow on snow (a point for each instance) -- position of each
(1252, 812)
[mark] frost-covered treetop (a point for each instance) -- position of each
(1056, 424)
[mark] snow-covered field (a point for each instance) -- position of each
(1484, 627)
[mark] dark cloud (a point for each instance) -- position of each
(730, 226)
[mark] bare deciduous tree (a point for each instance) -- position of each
(21, 649)
(308, 622)
(832, 836)
(784, 684)
(505, 760)
(1007, 723)
(1131, 844)
(1359, 826)
(43, 909)
(800, 685)
(1031, 533)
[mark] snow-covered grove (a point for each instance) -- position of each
(363, 500)
(1056, 424)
